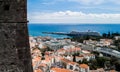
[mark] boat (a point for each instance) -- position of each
(87, 33)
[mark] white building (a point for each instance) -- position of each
(84, 68)
(117, 37)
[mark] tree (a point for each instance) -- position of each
(108, 35)
(117, 65)
(100, 61)
(74, 59)
(85, 61)
(117, 43)
(104, 35)
(93, 64)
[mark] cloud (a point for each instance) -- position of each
(73, 17)
(115, 1)
(88, 2)
(48, 3)
(95, 2)
(52, 2)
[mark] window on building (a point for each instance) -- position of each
(71, 67)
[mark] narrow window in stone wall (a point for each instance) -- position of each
(1, 2)
(6, 7)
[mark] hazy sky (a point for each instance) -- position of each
(74, 11)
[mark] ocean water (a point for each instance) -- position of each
(37, 29)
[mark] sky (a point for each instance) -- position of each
(74, 11)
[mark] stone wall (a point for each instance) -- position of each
(14, 43)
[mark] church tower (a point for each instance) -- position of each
(14, 41)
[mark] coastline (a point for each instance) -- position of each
(37, 29)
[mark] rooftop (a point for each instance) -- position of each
(84, 66)
(60, 70)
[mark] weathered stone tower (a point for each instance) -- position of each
(14, 44)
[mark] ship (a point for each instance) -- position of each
(87, 33)
(75, 33)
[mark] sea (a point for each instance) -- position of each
(37, 29)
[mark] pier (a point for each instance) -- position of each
(74, 33)
(57, 33)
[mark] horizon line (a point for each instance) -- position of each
(73, 23)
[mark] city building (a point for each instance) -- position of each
(84, 68)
